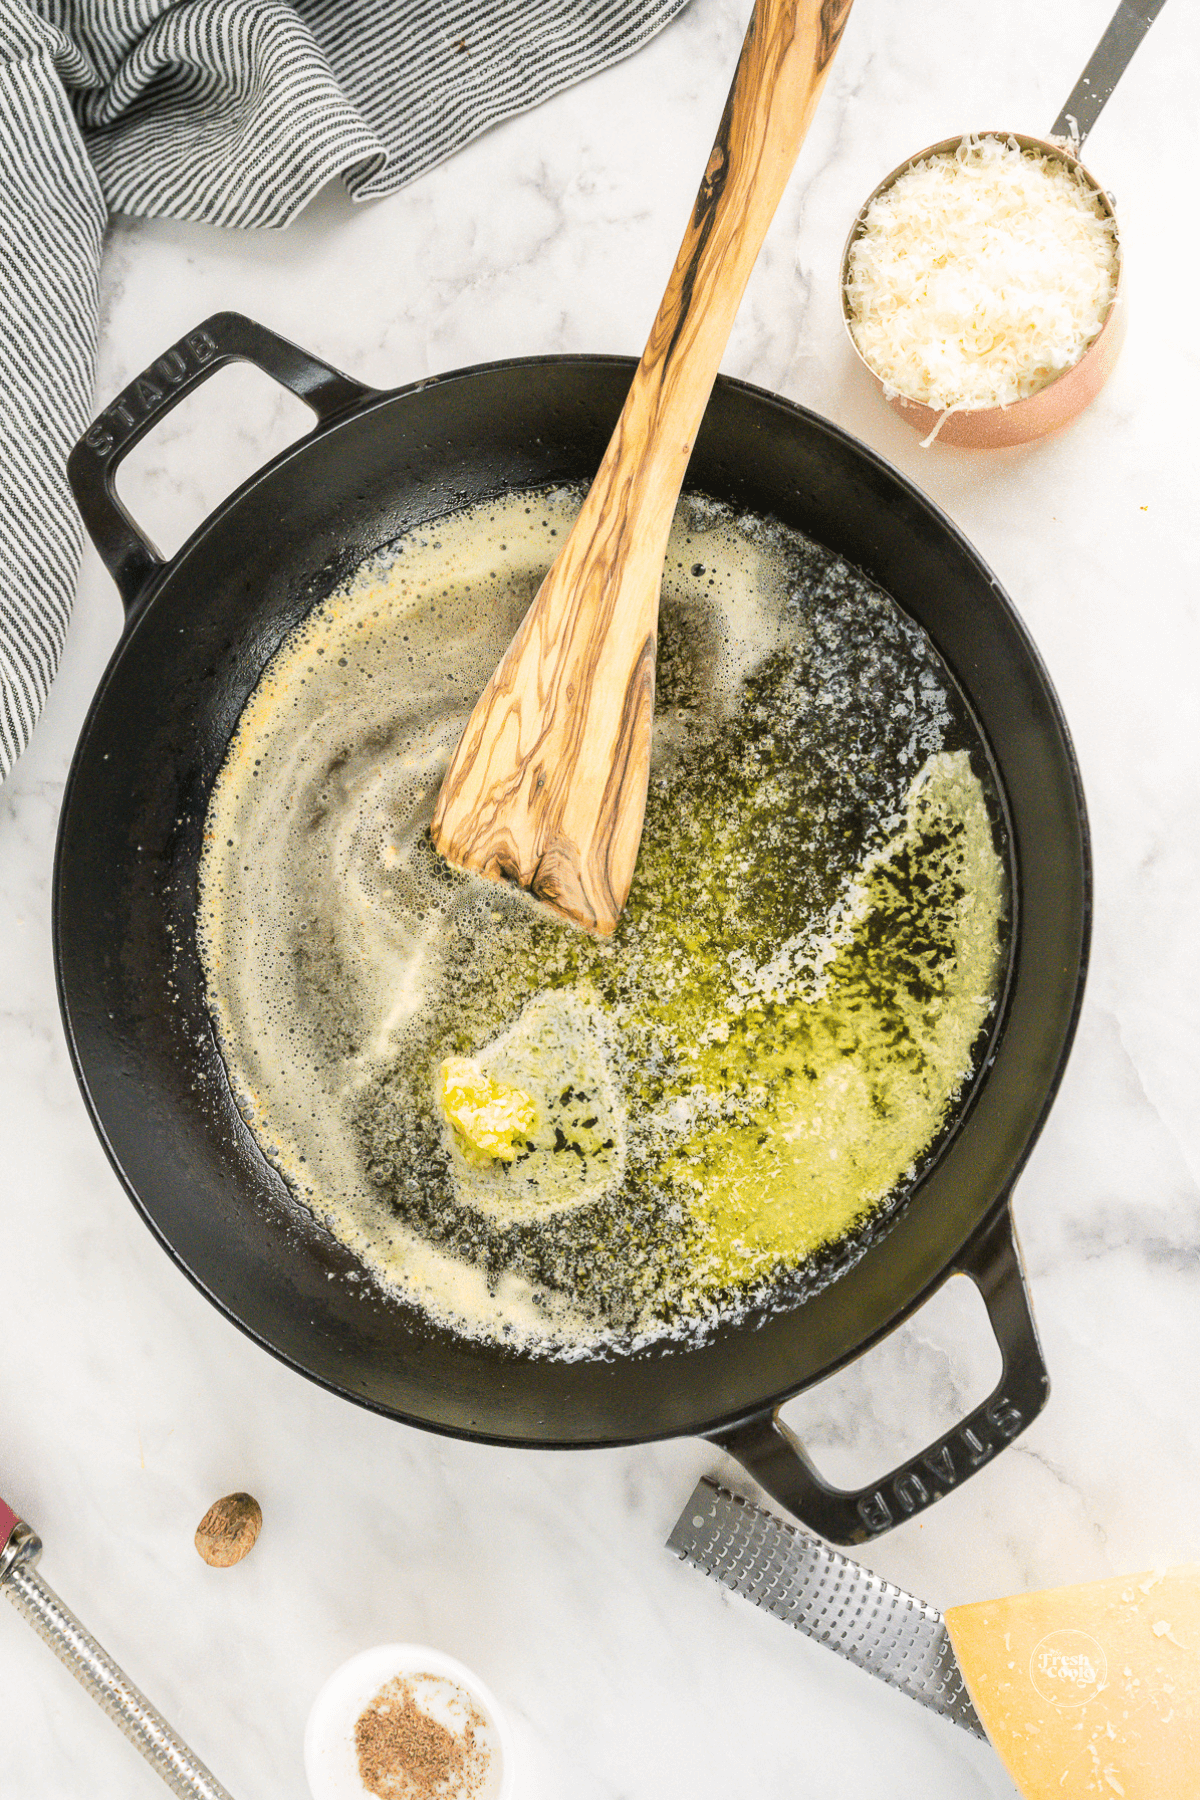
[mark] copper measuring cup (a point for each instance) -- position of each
(1056, 404)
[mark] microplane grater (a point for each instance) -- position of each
(817, 1590)
(93, 1668)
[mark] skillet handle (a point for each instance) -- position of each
(776, 1458)
(131, 559)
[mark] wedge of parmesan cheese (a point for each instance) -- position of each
(980, 275)
(1090, 1691)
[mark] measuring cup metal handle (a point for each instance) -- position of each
(1108, 62)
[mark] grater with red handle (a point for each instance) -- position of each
(93, 1668)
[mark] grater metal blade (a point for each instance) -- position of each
(93, 1668)
(816, 1589)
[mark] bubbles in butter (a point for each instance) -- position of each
(730, 1094)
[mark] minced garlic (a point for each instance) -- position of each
(979, 275)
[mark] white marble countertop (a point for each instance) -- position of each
(128, 1404)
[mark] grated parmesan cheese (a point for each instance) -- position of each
(979, 275)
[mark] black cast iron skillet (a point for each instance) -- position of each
(199, 630)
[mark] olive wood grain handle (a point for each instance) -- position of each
(548, 785)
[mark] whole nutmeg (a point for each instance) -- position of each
(228, 1530)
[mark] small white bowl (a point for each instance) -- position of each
(330, 1757)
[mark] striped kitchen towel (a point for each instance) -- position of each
(233, 112)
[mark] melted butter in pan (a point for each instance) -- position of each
(709, 1110)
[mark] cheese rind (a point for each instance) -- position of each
(1090, 1691)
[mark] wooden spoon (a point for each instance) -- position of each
(547, 787)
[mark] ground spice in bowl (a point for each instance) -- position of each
(406, 1753)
